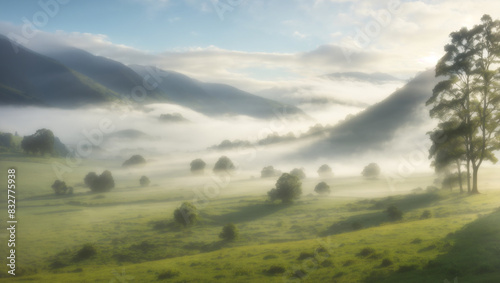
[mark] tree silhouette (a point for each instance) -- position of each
(325, 171)
(371, 171)
(101, 183)
(42, 141)
(229, 232)
(322, 188)
(198, 166)
(288, 188)
(186, 214)
(224, 164)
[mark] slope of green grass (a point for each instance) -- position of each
(314, 239)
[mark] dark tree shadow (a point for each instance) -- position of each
(475, 257)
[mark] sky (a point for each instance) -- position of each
(252, 44)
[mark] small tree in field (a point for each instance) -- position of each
(101, 183)
(371, 171)
(325, 171)
(186, 214)
(60, 188)
(144, 181)
(198, 166)
(394, 213)
(224, 164)
(229, 232)
(288, 188)
(322, 188)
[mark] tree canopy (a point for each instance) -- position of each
(229, 232)
(288, 188)
(224, 164)
(42, 141)
(198, 166)
(371, 171)
(99, 183)
(322, 188)
(325, 171)
(186, 214)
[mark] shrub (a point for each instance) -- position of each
(275, 269)
(102, 183)
(144, 181)
(168, 274)
(325, 171)
(327, 263)
(305, 255)
(87, 251)
(224, 164)
(366, 252)
(322, 188)
(60, 188)
(288, 188)
(426, 214)
(229, 232)
(186, 214)
(394, 213)
(134, 160)
(197, 166)
(371, 171)
(299, 173)
(386, 262)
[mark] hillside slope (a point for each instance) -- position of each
(27, 77)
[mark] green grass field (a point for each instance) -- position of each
(345, 237)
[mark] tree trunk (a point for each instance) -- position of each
(460, 177)
(468, 175)
(474, 180)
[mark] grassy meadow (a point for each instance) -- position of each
(343, 237)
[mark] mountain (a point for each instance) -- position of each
(109, 73)
(70, 77)
(215, 99)
(29, 78)
(377, 125)
(359, 76)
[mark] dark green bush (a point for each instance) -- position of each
(426, 214)
(229, 232)
(168, 274)
(275, 269)
(394, 213)
(87, 251)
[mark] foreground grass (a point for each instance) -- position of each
(333, 239)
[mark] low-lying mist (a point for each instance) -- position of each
(170, 146)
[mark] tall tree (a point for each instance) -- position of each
(468, 96)
(487, 101)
